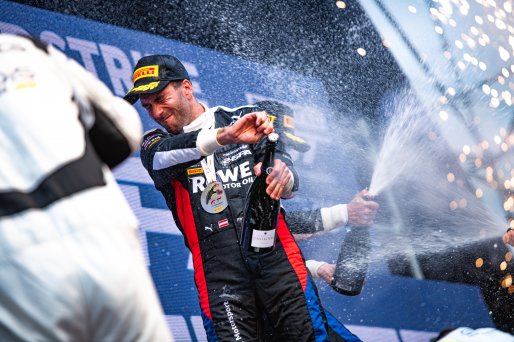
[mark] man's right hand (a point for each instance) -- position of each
(361, 210)
(248, 129)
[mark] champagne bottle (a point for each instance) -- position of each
(352, 262)
(260, 216)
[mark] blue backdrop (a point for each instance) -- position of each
(389, 309)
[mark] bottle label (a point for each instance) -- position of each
(263, 238)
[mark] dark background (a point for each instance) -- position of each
(314, 38)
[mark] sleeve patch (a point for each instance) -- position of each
(150, 140)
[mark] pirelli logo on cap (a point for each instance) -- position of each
(272, 118)
(146, 71)
(194, 171)
(288, 121)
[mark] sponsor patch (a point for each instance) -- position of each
(20, 78)
(213, 198)
(223, 223)
(194, 171)
(226, 161)
(225, 154)
(232, 321)
(146, 71)
(26, 85)
(150, 140)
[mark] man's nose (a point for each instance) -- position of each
(156, 111)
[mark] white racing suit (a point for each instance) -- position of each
(71, 267)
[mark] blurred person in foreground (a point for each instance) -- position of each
(465, 334)
(71, 265)
(204, 148)
(360, 212)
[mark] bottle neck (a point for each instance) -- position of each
(269, 157)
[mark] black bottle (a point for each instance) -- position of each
(260, 216)
(352, 262)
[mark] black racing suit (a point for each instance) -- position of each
(234, 286)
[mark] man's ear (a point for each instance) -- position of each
(187, 87)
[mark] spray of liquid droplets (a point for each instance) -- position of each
(402, 149)
(415, 164)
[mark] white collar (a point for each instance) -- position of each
(205, 120)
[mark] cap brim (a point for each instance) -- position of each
(296, 142)
(150, 88)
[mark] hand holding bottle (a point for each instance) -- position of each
(326, 272)
(277, 179)
(362, 210)
(352, 262)
(248, 129)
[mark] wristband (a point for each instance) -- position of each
(313, 266)
(334, 216)
(206, 141)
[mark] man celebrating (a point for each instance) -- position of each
(205, 148)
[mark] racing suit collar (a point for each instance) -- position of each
(206, 120)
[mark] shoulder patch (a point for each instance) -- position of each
(150, 138)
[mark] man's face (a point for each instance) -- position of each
(170, 107)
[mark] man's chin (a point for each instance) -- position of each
(174, 131)
(168, 128)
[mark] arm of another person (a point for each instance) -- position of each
(115, 128)
(321, 269)
(360, 212)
